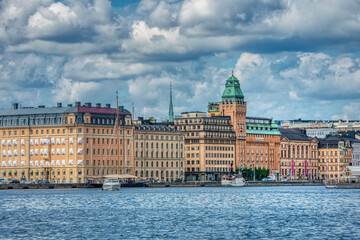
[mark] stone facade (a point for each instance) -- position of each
(298, 155)
(159, 153)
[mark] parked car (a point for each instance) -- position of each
(266, 180)
(15, 181)
(284, 179)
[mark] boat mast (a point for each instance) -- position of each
(338, 160)
(117, 133)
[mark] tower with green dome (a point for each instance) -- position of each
(232, 91)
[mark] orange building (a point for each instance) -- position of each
(65, 144)
(257, 139)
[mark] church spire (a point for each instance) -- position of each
(171, 110)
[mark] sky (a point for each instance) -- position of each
(294, 59)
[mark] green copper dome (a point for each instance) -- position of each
(232, 90)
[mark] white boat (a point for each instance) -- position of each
(111, 184)
(235, 181)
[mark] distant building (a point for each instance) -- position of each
(298, 155)
(320, 132)
(65, 144)
(356, 153)
(159, 152)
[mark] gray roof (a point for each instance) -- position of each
(294, 134)
(154, 128)
(35, 111)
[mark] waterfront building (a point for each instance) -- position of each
(257, 138)
(298, 155)
(159, 152)
(209, 145)
(65, 144)
(332, 158)
(356, 153)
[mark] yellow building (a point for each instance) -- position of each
(159, 152)
(65, 144)
(333, 160)
(209, 145)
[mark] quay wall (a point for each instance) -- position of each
(157, 185)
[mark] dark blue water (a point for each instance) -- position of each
(181, 213)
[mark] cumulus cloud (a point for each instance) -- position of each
(293, 58)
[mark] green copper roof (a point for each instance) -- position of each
(262, 128)
(273, 124)
(232, 90)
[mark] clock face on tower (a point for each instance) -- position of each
(229, 90)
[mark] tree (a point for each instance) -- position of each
(248, 174)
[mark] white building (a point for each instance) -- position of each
(356, 154)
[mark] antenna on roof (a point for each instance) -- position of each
(232, 72)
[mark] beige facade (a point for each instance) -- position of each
(209, 145)
(299, 158)
(76, 147)
(332, 160)
(159, 153)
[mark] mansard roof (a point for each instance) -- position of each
(294, 134)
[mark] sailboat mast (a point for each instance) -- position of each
(117, 133)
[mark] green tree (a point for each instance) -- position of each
(248, 174)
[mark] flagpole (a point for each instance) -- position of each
(327, 162)
(254, 172)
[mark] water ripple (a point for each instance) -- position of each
(181, 213)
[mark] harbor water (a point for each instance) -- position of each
(181, 213)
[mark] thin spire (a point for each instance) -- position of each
(232, 72)
(171, 109)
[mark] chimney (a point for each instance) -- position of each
(41, 106)
(120, 108)
(108, 105)
(87, 104)
(77, 104)
(98, 105)
(59, 105)
(15, 105)
(69, 105)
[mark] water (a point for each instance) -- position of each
(181, 213)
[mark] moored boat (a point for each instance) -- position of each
(111, 184)
(234, 181)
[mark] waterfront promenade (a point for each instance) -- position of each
(159, 185)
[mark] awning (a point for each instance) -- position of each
(353, 170)
(9, 172)
(22, 171)
(42, 170)
(36, 171)
(3, 171)
(80, 171)
(31, 171)
(121, 176)
(15, 172)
